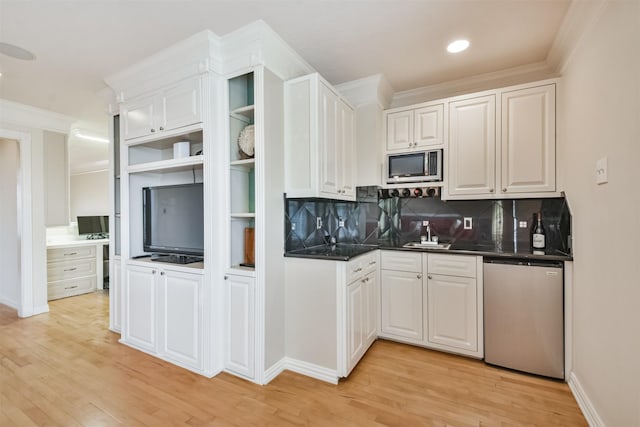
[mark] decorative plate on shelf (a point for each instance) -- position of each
(247, 142)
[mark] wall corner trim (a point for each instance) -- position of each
(275, 370)
(588, 410)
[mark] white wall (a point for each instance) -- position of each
(89, 194)
(9, 241)
(599, 115)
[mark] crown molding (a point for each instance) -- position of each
(508, 77)
(25, 115)
(189, 57)
(368, 90)
(577, 23)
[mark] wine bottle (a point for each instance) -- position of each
(539, 238)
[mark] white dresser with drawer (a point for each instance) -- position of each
(73, 269)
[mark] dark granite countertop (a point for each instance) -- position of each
(344, 252)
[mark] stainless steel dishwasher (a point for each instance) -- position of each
(524, 315)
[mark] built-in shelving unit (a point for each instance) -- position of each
(242, 169)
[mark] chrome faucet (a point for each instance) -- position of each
(426, 238)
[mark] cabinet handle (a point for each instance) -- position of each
(71, 269)
(162, 273)
(161, 127)
(419, 276)
(226, 277)
(504, 190)
(71, 287)
(372, 263)
(429, 277)
(153, 272)
(357, 269)
(153, 130)
(491, 190)
(71, 253)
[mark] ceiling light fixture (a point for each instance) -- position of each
(16, 52)
(458, 46)
(90, 137)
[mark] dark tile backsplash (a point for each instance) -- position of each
(395, 221)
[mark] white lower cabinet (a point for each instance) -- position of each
(402, 304)
(240, 325)
(163, 314)
(361, 317)
(433, 300)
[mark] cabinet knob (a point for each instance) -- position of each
(153, 272)
(419, 276)
(429, 277)
(162, 273)
(161, 127)
(504, 190)
(491, 190)
(153, 130)
(226, 277)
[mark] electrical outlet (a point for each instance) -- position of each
(522, 224)
(602, 171)
(468, 223)
(340, 222)
(318, 223)
(293, 226)
(425, 223)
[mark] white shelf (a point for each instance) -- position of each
(167, 165)
(241, 215)
(244, 114)
(244, 162)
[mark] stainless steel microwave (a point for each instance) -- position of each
(417, 166)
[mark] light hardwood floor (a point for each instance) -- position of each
(65, 368)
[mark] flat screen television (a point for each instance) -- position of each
(173, 222)
(93, 226)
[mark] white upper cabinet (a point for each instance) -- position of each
(472, 145)
(419, 127)
(504, 149)
(319, 141)
(528, 140)
(174, 107)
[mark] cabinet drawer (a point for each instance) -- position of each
(77, 252)
(359, 266)
(402, 261)
(70, 269)
(67, 288)
(452, 265)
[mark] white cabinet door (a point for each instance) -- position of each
(347, 151)
(180, 317)
(528, 140)
(429, 126)
(115, 295)
(240, 325)
(400, 131)
(370, 294)
(452, 312)
(355, 323)
(140, 117)
(140, 308)
(472, 146)
(402, 304)
(328, 140)
(181, 105)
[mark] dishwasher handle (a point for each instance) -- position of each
(524, 262)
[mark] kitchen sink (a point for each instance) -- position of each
(427, 245)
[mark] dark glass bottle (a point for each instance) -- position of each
(538, 239)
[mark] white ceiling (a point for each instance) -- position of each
(79, 42)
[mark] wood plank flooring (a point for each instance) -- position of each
(64, 368)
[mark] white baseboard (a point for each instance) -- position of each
(41, 309)
(585, 404)
(9, 303)
(311, 370)
(275, 370)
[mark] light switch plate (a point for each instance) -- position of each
(318, 223)
(468, 223)
(522, 224)
(602, 171)
(293, 226)
(341, 222)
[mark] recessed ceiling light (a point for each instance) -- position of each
(458, 46)
(16, 52)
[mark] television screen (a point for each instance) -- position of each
(93, 224)
(173, 221)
